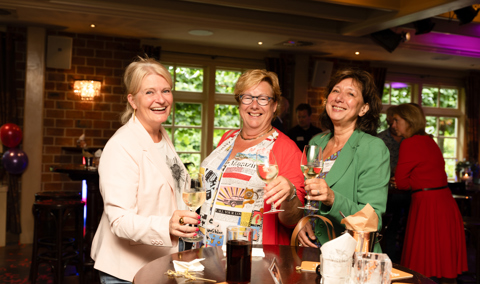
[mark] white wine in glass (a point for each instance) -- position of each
(194, 197)
(267, 170)
(311, 165)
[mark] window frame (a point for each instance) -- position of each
(208, 98)
(417, 83)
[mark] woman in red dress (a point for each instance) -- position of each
(435, 238)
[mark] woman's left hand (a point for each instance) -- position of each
(278, 190)
(318, 189)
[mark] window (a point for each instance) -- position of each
(444, 116)
(204, 107)
(395, 93)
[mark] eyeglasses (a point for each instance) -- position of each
(261, 100)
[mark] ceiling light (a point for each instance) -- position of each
(388, 39)
(423, 26)
(92, 25)
(357, 53)
(200, 32)
(466, 15)
(260, 43)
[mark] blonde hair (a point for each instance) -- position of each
(413, 115)
(134, 75)
(252, 78)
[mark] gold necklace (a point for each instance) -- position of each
(241, 136)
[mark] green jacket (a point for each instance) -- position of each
(359, 176)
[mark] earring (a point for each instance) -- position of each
(134, 115)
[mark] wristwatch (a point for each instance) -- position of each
(294, 193)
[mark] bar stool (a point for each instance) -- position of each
(57, 248)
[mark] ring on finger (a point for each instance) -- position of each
(181, 221)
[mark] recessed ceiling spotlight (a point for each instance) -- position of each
(260, 43)
(200, 32)
(357, 53)
(92, 25)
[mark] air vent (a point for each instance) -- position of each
(296, 43)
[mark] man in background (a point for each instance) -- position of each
(304, 131)
(398, 202)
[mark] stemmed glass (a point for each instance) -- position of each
(194, 197)
(312, 165)
(267, 170)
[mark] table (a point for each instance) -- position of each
(287, 259)
(94, 204)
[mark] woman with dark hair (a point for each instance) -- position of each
(356, 163)
(435, 238)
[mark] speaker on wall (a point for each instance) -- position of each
(59, 52)
(321, 73)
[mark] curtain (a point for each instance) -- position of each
(9, 113)
(379, 75)
(472, 90)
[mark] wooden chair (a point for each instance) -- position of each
(301, 224)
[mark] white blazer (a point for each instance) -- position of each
(139, 199)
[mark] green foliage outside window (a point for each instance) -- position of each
(397, 95)
(226, 117)
(443, 128)
(189, 79)
(448, 97)
(225, 81)
(383, 123)
(187, 114)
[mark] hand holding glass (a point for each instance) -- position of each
(311, 165)
(194, 197)
(267, 170)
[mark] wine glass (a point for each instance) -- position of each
(194, 197)
(267, 170)
(312, 165)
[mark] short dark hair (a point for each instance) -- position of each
(369, 122)
(306, 107)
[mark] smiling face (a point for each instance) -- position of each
(345, 103)
(257, 118)
(401, 126)
(152, 103)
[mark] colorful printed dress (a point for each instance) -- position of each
(235, 192)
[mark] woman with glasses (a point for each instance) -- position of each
(236, 195)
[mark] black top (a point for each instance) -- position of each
(301, 136)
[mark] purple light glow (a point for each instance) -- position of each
(398, 85)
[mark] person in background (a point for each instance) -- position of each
(279, 121)
(398, 201)
(356, 163)
(435, 238)
(304, 131)
(238, 195)
(141, 178)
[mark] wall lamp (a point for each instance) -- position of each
(87, 89)
(466, 15)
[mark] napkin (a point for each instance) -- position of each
(340, 248)
(365, 220)
(255, 251)
(194, 265)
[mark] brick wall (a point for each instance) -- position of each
(67, 117)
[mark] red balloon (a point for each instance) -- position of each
(10, 134)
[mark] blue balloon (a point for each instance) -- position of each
(15, 161)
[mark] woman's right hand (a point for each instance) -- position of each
(182, 230)
(305, 235)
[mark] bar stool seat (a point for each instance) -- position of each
(58, 248)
